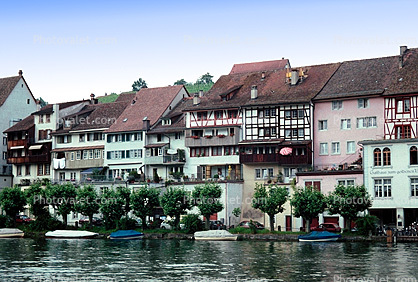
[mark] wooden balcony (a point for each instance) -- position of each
(276, 158)
(46, 158)
(15, 143)
(207, 141)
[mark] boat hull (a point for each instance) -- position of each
(70, 234)
(11, 233)
(126, 238)
(319, 236)
(215, 235)
(234, 238)
(126, 235)
(319, 240)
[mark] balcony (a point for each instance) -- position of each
(45, 158)
(165, 159)
(15, 143)
(276, 158)
(217, 140)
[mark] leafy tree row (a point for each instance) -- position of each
(308, 202)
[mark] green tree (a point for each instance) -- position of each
(111, 206)
(180, 82)
(307, 203)
(62, 197)
(124, 194)
(236, 212)
(138, 84)
(205, 79)
(270, 200)
(37, 199)
(175, 202)
(348, 201)
(42, 102)
(207, 199)
(86, 202)
(144, 201)
(12, 201)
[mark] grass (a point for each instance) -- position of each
(108, 98)
(241, 230)
(194, 88)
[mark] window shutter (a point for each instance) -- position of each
(108, 156)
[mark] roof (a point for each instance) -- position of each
(48, 109)
(405, 79)
(96, 116)
(78, 148)
(260, 66)
(150, 103)
(7, 84)
(360, 78)
(22, 125)
(126, 96)
(273, 89)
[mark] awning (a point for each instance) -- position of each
(156, 145)
(17, 147)
(90, 170)
(35, 147)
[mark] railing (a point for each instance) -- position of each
(275, 158)
(216, 140)
(14, 143)
(45, 158)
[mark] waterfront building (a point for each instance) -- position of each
(14, 94)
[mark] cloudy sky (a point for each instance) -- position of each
(69, 50)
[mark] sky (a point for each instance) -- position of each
(70, 49)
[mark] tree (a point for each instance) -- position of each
(86, 202)
(175, 202)
(143, 203)
(308, 203)
(138, 84)
(348, 201)
(42, 102)
(111, 206)
(205, 79)
(63, 199)
(207, 199)
(124, 194)
(180, 82)
(12, 201)
(236, 212)
(270, 200)
(37, 199)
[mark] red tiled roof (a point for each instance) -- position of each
(405, 80)
(48, 109)
(150, 103)
(22, 125)
(260, 66)
(7, 84)
(78, 148)
(273, 89)
(126, 96)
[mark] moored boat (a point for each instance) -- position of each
(70, 234)
(215, 235)
(319, 236)
(126, 235)
(11, 233)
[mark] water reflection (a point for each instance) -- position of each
(172, 260)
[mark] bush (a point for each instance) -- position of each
(366, 224)
(253, 227)
(46, 223)
(3, 221)
(126, 223)
(192, 223)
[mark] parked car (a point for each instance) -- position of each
(216, 225)
(167, 224)
(21, 218)
(85, 220)
(330, 227)
(246, 224)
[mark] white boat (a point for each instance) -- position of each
(215, 235)
(70, 234)
(11, 233)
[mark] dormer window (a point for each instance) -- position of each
(166, 122)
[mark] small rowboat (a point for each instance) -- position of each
(11, 233)
(70, 234)
(215, 235)
(319, 236)
(126, 235)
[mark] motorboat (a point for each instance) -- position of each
(11, 233)
(70, 234)
(126, 235)
(319, 236)
(215, 235)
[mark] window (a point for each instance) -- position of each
(218, 114)
(301, 132)
(47, 169)
(346, 182)
(413, 155)
(28, 101)
(4, 140)
(41, 118)
(159, 137)
(383, 188)
(91, 154)
(232, 113)
(264, 173)
(85, 154)
(414, 187)
(351, 147)
(315, 184)
(82, 138)
(47, 118)
(403, 106)
(382, 157)
(217, 151)
(19, 170)
(78, 155)
(403, 131)
(40, 169)
(73, 175)
(345, 124)
(366, 122)
(323, 124)
(72, 156)
(97, 154)
(377, 157)
(202, 115)
(337, 105)
(27, 169)
(386, 156)
(335, 148)
(257, 173)
(4, 155)
(323, 148)
(199, 152)
(177, 135)
(363, 103)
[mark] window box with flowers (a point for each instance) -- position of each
(221, 135)
(208, 136)
(195, 137)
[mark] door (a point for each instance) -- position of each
(288, 223)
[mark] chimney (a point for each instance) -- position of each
(145, 124)
(254, 92)
(196, 99)
(402, 53)
(20, 73)
(294, 78)
(200, 93)
(263, 75)
(92, 96)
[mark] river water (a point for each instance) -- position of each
(172, 260)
